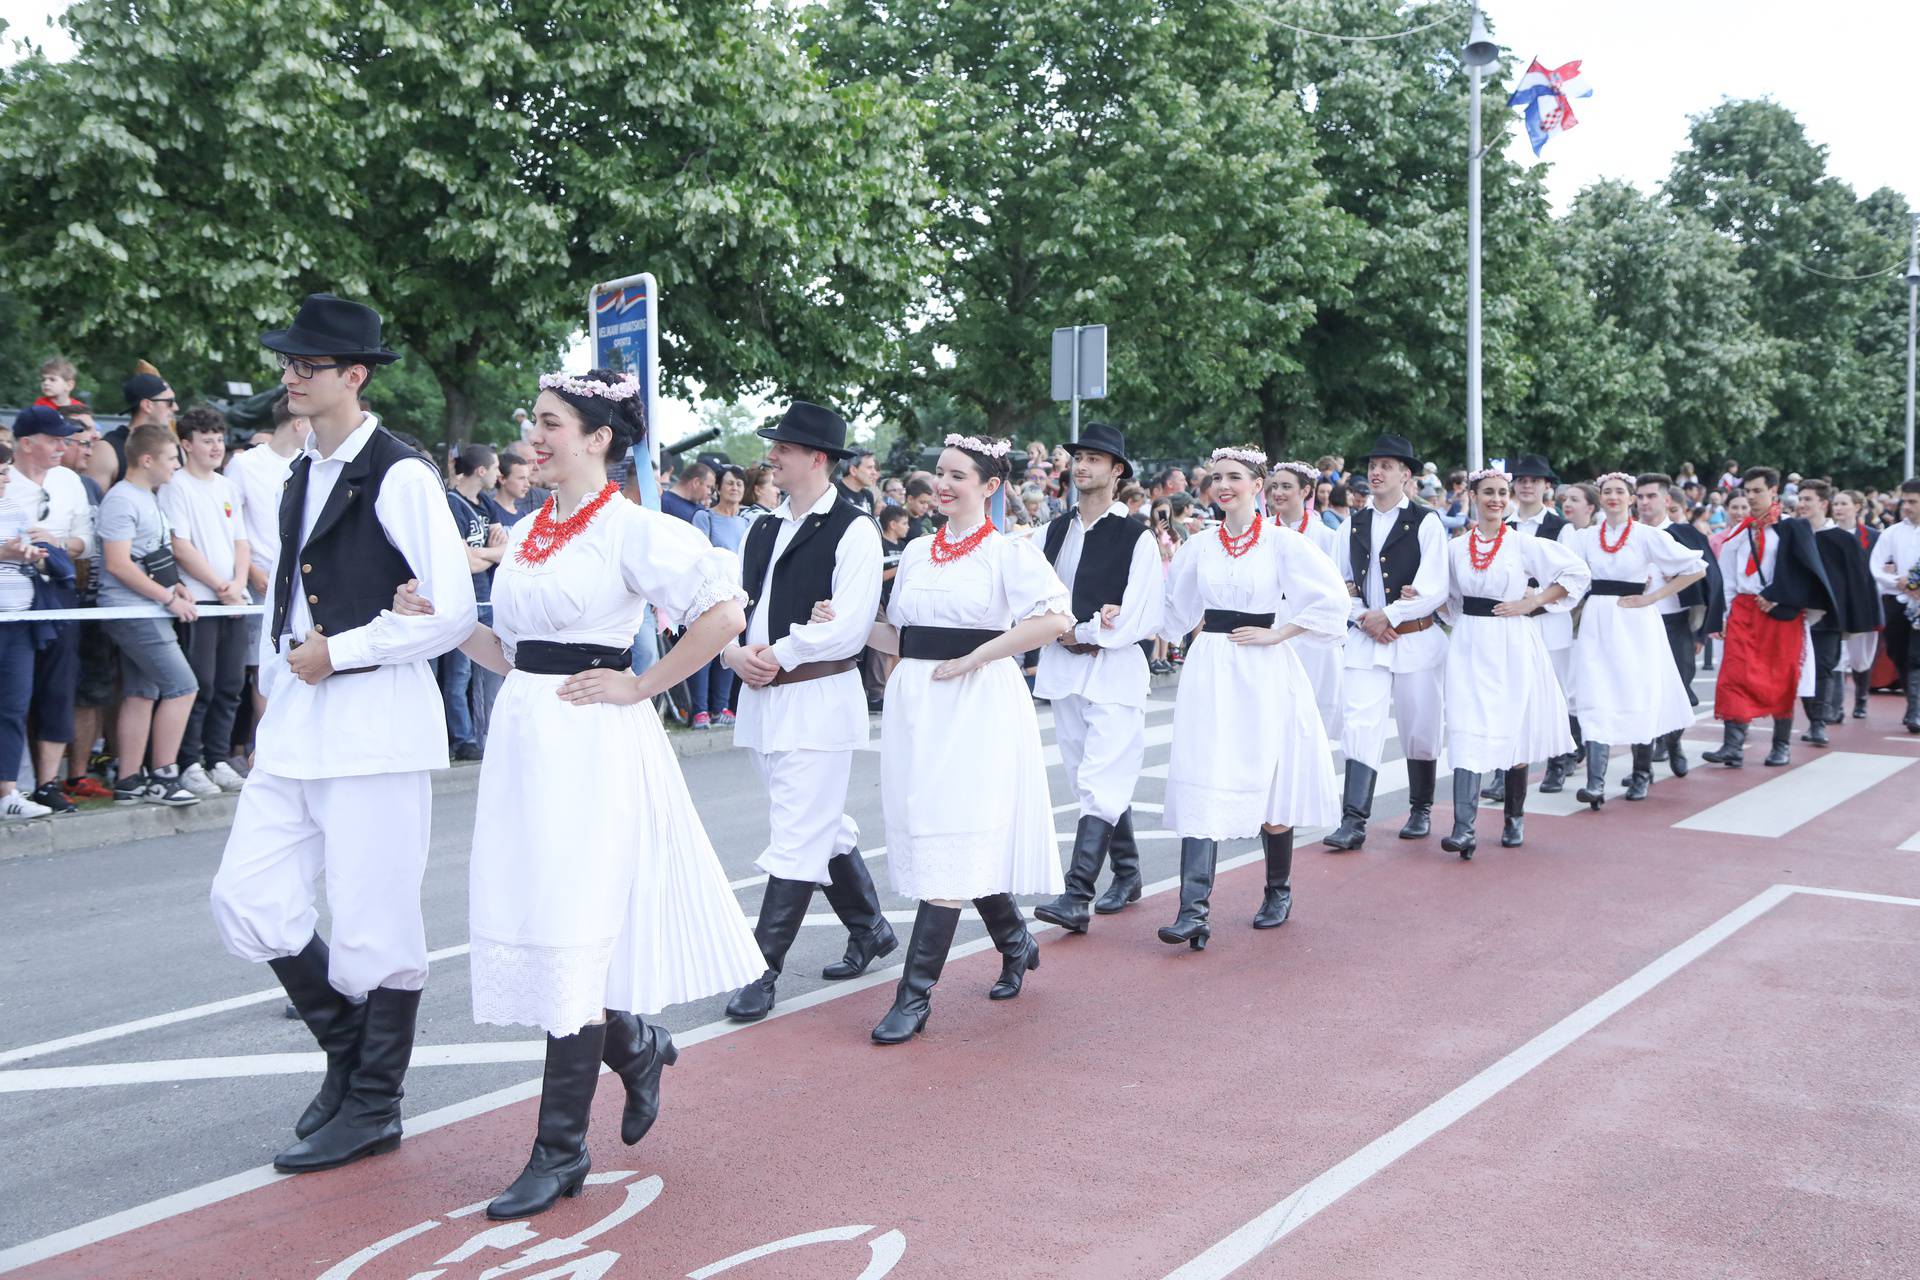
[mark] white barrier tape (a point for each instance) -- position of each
(114, 613)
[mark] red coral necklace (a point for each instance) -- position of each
(548, 535)
(1482, 563)
(944, 552)
(1625, 529)
(1239, 546)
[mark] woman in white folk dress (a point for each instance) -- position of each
(1622, 690)
(1289, 497)
(1504, 704)
(963, 781)
(1250, 753)
(586, 915)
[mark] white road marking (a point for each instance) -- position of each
(1911, 844)
(1299, 1208)
(1797, 796)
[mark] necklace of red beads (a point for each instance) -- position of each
(1625, 529)
(945, 552)
(1302, 526)
(549, 535)
(1239, 546)
(1484, 562)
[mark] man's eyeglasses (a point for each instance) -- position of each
(172, 400)
(304, 369)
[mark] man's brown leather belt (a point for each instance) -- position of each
(814, 671)
(1413, 625)
(1081, 649)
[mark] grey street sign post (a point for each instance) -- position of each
(1080, 367)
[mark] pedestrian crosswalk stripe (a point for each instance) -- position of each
(1798, 796)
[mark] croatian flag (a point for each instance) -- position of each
(1548, 97)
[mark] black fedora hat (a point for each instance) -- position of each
(1391, 446)
(812, 427)
(330, 326)
(1101, 438)
(1532, 464)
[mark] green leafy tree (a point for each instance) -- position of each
(469, 170)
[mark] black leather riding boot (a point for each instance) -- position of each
(1640, 781)
(926, 956)
(1356, 806)
(1123, 855)
(559, 1164)
(1781, 753)
(1196, 893)
(1466, 811)
(1276, 904)
(1732, 749)
(851, 893)
(1019, 950)
(334, 1020)
(782, 908)
(1514, 830)
(1073, 909)
(368, 1121)
(1422, 775)
(638, 1053)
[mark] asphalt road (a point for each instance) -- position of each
(96, 939)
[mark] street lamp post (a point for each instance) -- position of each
(1913, 316)
(1478, 54)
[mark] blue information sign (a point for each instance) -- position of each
(623, 320)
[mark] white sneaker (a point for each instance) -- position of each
(226, 777)
(14, 806)
(194, 778)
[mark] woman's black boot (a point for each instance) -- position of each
(926, 956)
(1196, 890)
(1277, 903)
(559, 1165)
(1514, 831)
(1594, 794)
(1466, 810)
(637, 1053)
(1019, 949)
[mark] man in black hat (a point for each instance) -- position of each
(801, 712)
(1096, 675)
(353, 727)
(1533, 481)
(1395, 563)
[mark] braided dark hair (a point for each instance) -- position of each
(626, 419)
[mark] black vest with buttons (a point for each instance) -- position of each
(804, 574)
(348, 567)
(1106, 555)
(1399, 554)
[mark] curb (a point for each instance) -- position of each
(99, 828)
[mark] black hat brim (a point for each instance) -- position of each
(298, 342)
(1413, 463)
(1126, 468)
(776, 433)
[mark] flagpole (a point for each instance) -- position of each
(1478, 54)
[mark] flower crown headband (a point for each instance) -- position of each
(625, 389)
(1239, 453)
(1309, 476)
(1488, 473)
(1621, 476)
(974, 444)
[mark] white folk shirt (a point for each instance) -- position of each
(1422, 649)
(1734, 553)
(1657, 579)
(828, 714)
(391, 719)
(1555, 625)
(1894, 556)
(1118, 674)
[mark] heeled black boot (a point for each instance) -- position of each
(1276, 904)
(851, 893)
(1513, 832)
(1496, 788)
(1594, 794)
(1123, 855)
(1356, 806)
(335, 1022)
(1836, 698)
(368, 1121)
(1816, 709)
(782, 908)
(1659, 749)
(1862, 684)
(926, 956)
(1554, 780)
(1019, 950)
(1196, 891)
(1732, 749)
(559, 1164)
(1466, 812)
(1073, 909)
(638, 1052)
(1640, 781)
(1677, 754)
(1912, 721)
(1579, 743)
(1421, 777)
(1781, 754)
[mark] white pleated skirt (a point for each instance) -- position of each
(1248, 744)
(1626, 689)
(964, 785)
(1504, 704)
(593, 884)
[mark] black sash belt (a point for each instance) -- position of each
(549, 658)
(939, 644)
(1616, 587)
(1479, 606)
(1228, 620)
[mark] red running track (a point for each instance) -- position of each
(1755, 1114)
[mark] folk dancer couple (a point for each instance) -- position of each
(583, 917)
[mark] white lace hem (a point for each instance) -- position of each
(558, 989)
(715, 590)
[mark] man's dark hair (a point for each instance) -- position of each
(202, 419)
(1768, 474)
(1178, 503)
(889, 514)
(1823, 489)
(282, 412)
(695, 471)
(508, 461)
(1340, 495)
(919, 489)
(1660, 478)
(1456, 477)
(1911, 485)
(471, 459)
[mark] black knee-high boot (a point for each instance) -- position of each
(638, 1052)
(851, 893)
(1073, 909)
(1514, 830)
(1356, 806)
(559, 1164)
(1817, 708)
(1019, 950)
(1862, 682)
(368, 1121)
(1781, 753)
(1640, 781)
(1421, 777)
(1466, 812)
(1196, 892)
(1276, 904)
(926, 956)
(1732, 751)
(335, 1022)
(1594, 794)
(782, 908)
(1123, 854)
